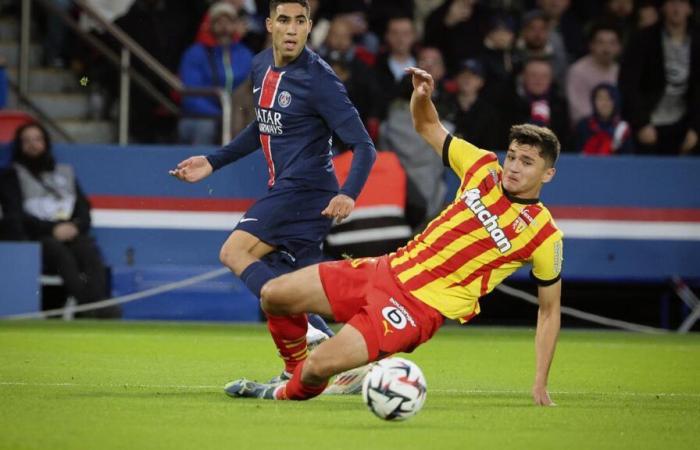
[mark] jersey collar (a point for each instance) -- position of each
(524, 201)
(302, 57)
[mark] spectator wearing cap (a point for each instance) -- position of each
(206, 37)
(536, 42)
(660, 83)
(599, 66)
(457, 28)
(226, 65)
(538, 102)
(475, 119)
(498, 61)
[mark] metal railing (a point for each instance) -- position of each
(123, 62)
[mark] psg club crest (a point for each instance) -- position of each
(284, 99)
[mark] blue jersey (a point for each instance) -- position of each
(298, 107)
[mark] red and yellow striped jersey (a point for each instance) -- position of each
(481, 238)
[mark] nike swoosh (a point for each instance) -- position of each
(256, 90)
(248, 220)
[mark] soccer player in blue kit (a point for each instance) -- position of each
(299, 104)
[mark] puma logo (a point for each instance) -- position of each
(387, 330)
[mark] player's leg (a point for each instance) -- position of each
(296, 293)
(284, 262)
(342, 352)
(241, 253)
(243, 249)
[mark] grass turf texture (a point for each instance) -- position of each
(159, 386)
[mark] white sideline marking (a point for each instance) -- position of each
(443, 391)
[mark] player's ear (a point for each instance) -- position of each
(548, 174)
(268, 24)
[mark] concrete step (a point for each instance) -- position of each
(90, 131)
(49, 80)
(10, 50)
(62, 106)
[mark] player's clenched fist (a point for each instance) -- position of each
(339, 207)
(192, 169)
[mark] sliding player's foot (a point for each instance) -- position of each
(348, 382)
(280, 379)
(250, 389)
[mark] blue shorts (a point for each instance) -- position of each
(291, 221)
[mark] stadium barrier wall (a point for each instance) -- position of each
(20, 268)
(624, 218)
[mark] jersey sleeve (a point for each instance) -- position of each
(461, 156)
(547, 261)
(331, 98)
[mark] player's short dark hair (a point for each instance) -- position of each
(537, 136)
(604, 25)
(275, 3)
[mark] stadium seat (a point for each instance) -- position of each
(10, 120)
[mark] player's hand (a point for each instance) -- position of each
(65, 231)
(541, 396)
(192, 169)
(339, 207)
(423, 83)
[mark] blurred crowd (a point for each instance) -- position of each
(608, 76)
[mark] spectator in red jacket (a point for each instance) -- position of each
(604, 132)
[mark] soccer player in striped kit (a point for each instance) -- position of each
(299, 104)
(495, 225)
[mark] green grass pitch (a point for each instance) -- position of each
(89, 385)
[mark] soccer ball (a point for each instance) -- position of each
(394, 389)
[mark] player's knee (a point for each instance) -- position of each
(229, 255)
(225, 257)
(272, 300)
(318, 369)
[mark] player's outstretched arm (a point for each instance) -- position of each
(548, 324)
(192, 169)
(425, 116)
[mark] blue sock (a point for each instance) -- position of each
(256, 275)
(318, 322)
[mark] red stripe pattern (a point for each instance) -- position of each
(267, 151)
(481, 162)
(269, 88)
(170, 203)
(270, 84)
